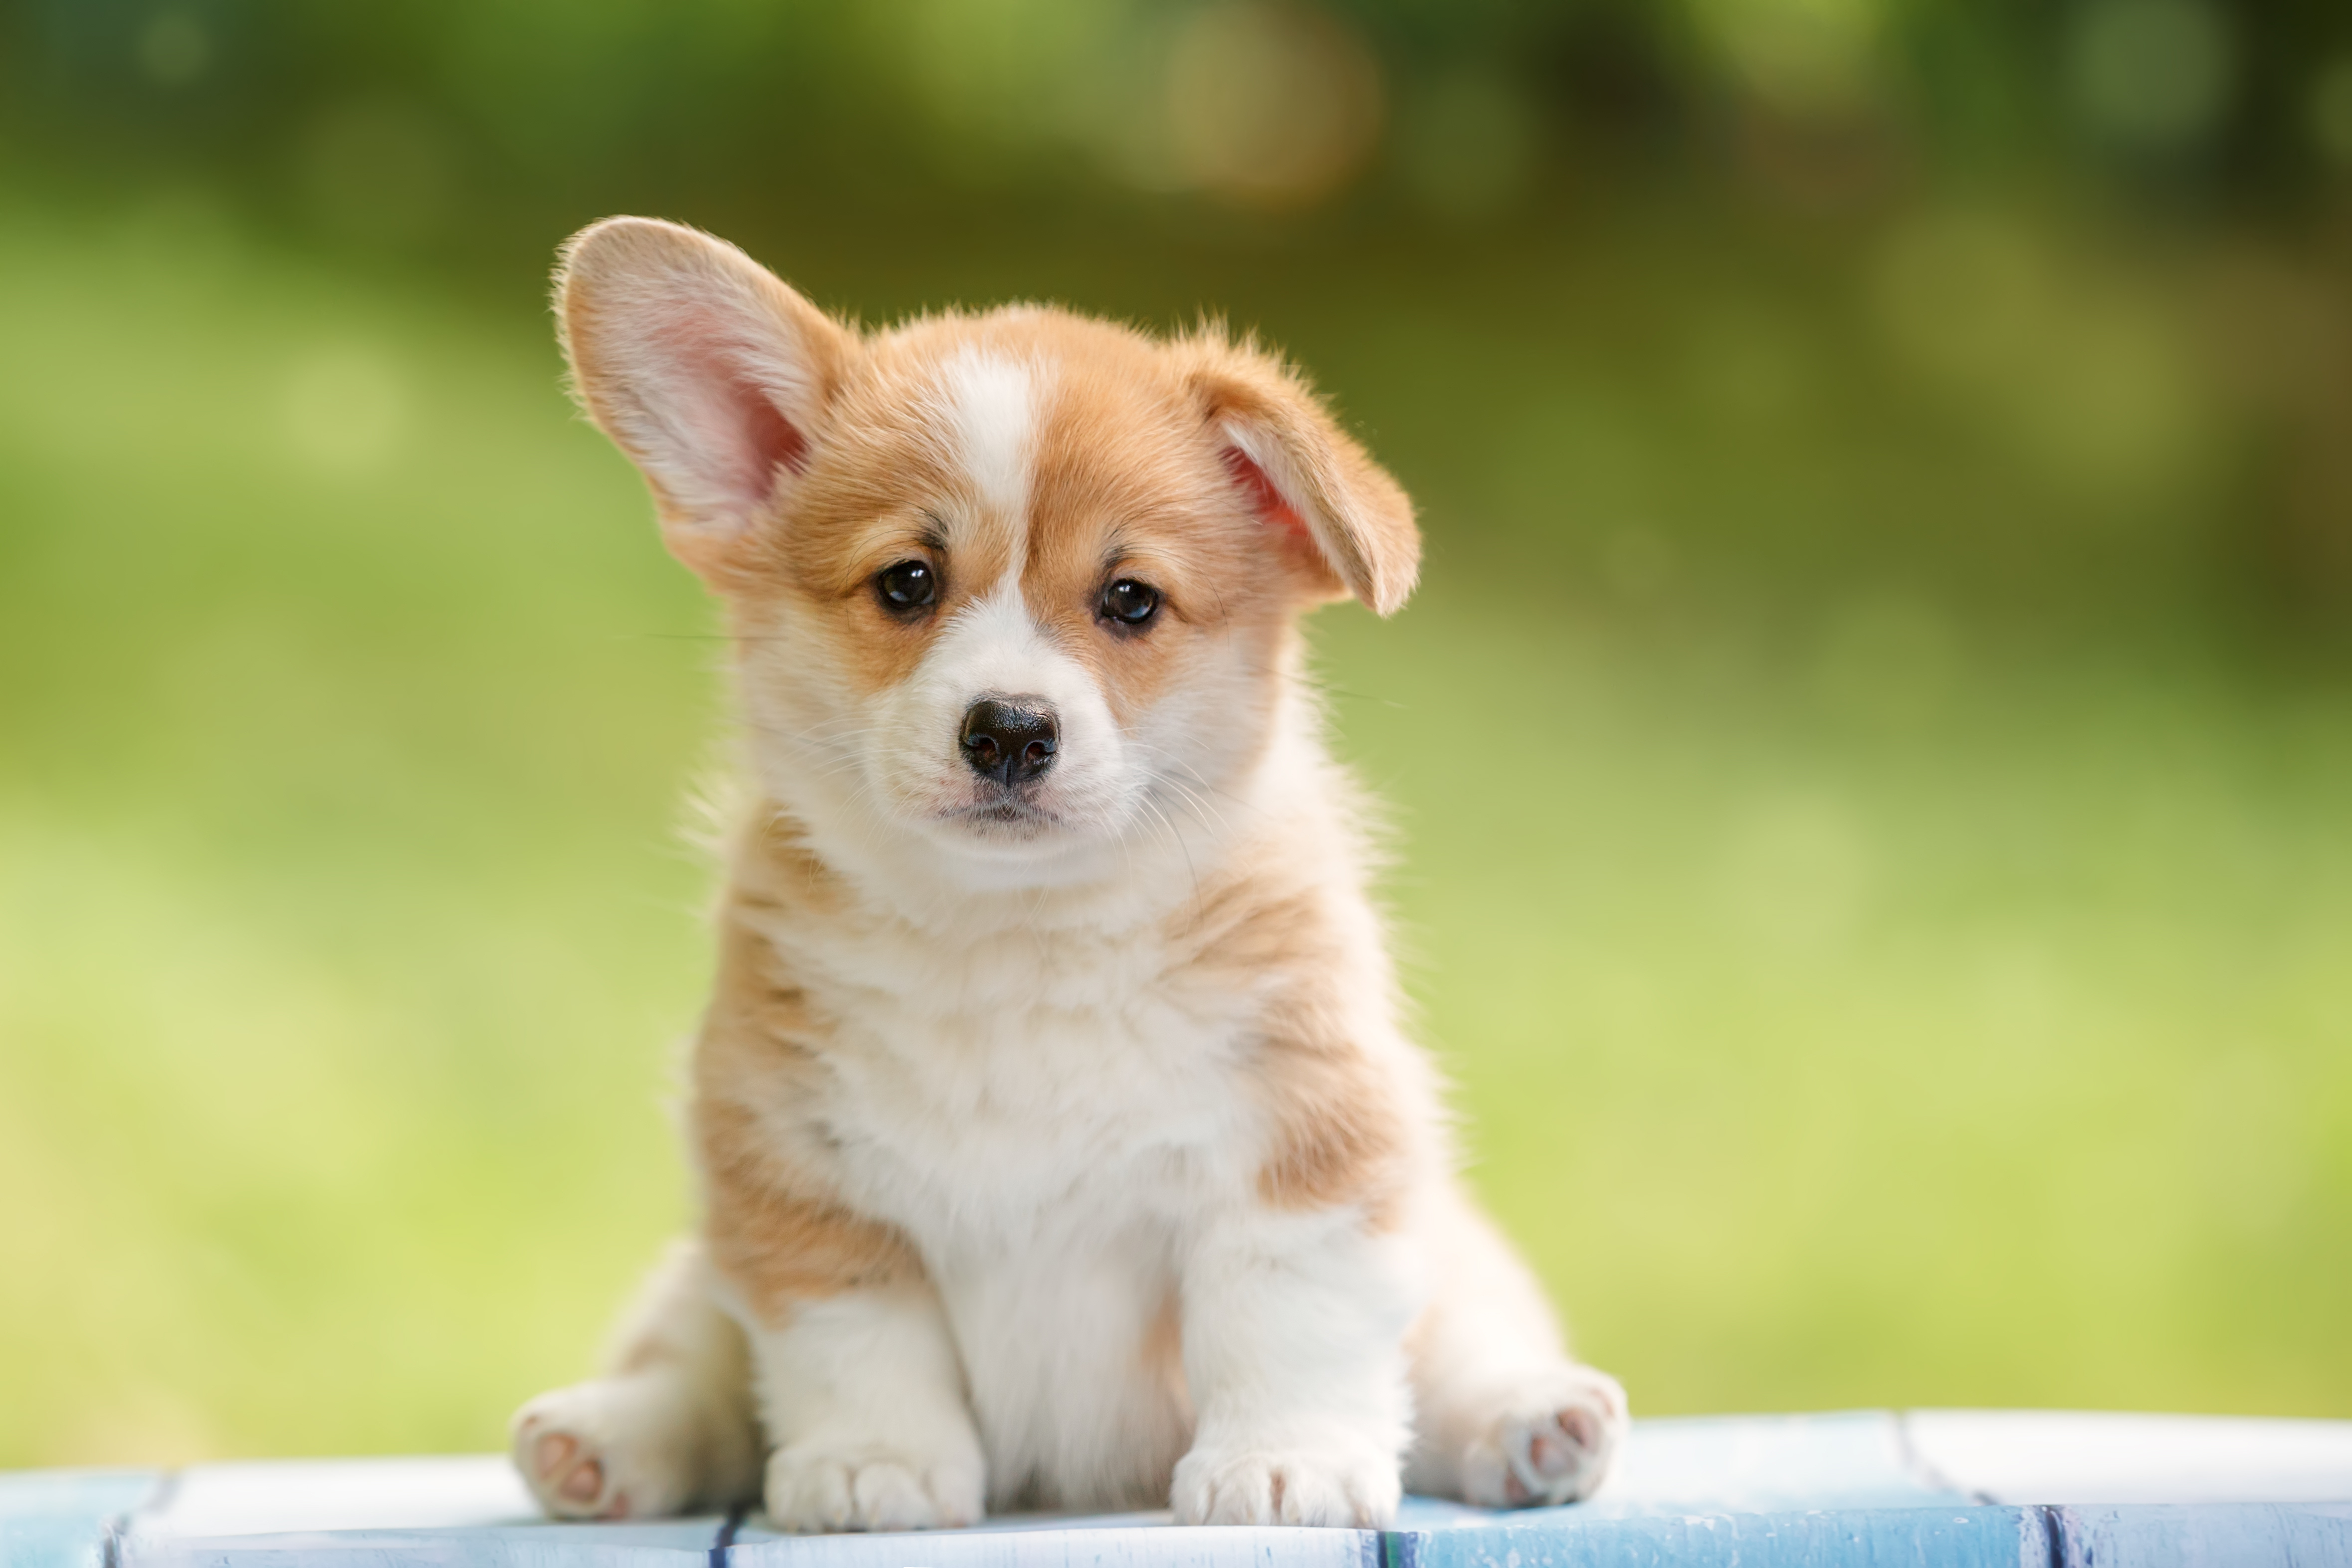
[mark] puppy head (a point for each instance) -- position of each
(1008, 588)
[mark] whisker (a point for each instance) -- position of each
(1198, 804)
(1175, 833)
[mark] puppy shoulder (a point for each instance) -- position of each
(778, 1228)
(758, 1072)
(759, 1016)
(1346, 1103)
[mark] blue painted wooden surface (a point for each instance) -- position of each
(59, 1519)
(1760, 1464)
(1983, 1537)
(2299, 1535)
(1930, 1490)
(1165, 1546)
(656, 1544)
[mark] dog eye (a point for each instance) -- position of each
(1127, 603)
(907, 585)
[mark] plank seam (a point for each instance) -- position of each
(724, 1542)
(1925, 1471)
(2054, 1533)
(158, 1498)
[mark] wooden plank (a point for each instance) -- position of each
(1168, 1546)
(1754, 1464)
(462, 1512)
(2072, 1457)
(657, 1545)
(1845, 1538)
(247, 1498)
(2207, 1535)
(61, 1518)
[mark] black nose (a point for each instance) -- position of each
(1009, 741)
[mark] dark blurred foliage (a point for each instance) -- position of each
(1148, 157)
(442, 124)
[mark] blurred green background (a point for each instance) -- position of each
(1872, 761)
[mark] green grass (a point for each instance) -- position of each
(1854, 1002)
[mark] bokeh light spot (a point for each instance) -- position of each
(1015, 71)
(1271, 106)
(1887, 661)
(1467, 142)
(2331, 110)
(379, 171)
(175, 49)
(1796, 874)
(1801, 56)
(1962, 297)
(1750, 369)
(2109, 409)
(344, 409)
(2152, 74)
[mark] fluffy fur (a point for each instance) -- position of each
(1059, 1144)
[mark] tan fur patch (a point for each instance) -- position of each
(778, 1248)
(773, 1229)
(1340, 1134)
(1341, 1131)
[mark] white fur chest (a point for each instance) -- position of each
(1046, 1114)
(1012, 1086)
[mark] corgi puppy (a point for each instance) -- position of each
(1059, 1144)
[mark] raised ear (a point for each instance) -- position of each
(1304, 475)
(704, 368)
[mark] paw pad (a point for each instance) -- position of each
(1553, 1444)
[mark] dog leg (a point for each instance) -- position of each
(1504, 1418)
(1292, 1326)
(864, 1399)
(669, 1429)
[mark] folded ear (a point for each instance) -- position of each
(1305, 477)
(704, 368)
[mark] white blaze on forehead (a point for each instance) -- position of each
(993, 644)
(989, 405)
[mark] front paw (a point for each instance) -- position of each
(608, 1449)
(1344, 1484)
(818, 1486)
(1552, 1440)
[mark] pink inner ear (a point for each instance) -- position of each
(734, 432)
(1264, 497)
(772, 438)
